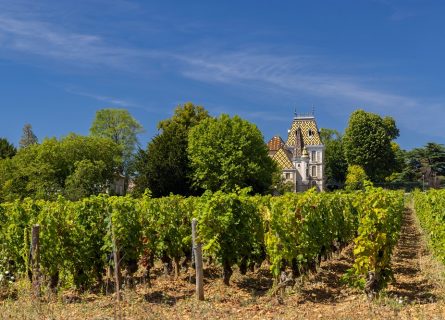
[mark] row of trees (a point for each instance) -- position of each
(193, 152)
(367, 150)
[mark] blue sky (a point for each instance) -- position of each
(60, 61)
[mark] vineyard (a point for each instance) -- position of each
(430, 208)
(266, 244)
(291, 234)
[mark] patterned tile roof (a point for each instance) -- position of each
(283, 158)
(309, 132)
(275, 143)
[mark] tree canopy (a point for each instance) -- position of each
(7, 150)
(185, 116)
(227, 152)
(355, 178)
(428, 163)
(367, 143)
(119, 126)
(164, 167)
(45, 170)
(335, 161)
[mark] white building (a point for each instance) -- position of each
(301, 158)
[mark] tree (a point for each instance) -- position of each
(280, 185)
(226, 153)
(428, 163)
(89, 178)
(164, 167)
(185, 116)
(28, 137)
(355, 178)
(119, 126)
(367, 143)
(56, 167)
(7, 150)
(335, 161)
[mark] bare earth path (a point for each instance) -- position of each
(415, 294)
(411, 283)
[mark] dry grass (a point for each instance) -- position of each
(417, 294)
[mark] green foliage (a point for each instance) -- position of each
(334, 160)
(42, 171)
(356, 177)
(7, 150)
(230, 227)
(379, 221)
(164, 167)
(126, 227)
(28, 137)
(367, 143)
(119, 126)
(186, 116)
(428, 164)
(430, 209)
(290, 231)
(166, 226)
(300, 228)
(279, 184)
(89, 178)
(228, 152)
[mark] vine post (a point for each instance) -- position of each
(116, 266)
(197, 252)
(35, 260)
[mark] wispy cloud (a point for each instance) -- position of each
(113, 101)
(109, 100)
(47, 40)
(296, 74)
(262, 70)
(301, 76)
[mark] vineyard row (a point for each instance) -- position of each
(292, 232)
(430, 209)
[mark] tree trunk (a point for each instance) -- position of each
(177, 267)
(167, 264)
(243, 266)
(227, 272)
(54, 281)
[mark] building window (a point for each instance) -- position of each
(288, 175)
(314, 171)
(314, 156)
(310, 133)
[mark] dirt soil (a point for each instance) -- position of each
(417, 293)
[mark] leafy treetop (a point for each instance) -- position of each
(226, 153)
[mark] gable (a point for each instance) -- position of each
(275, 143)
(283, 158)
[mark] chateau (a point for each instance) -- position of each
(301, 158)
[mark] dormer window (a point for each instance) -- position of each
(310, 133)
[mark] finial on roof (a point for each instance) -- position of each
(295, 112)
(313, 110)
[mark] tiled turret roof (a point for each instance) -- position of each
(309, 131)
